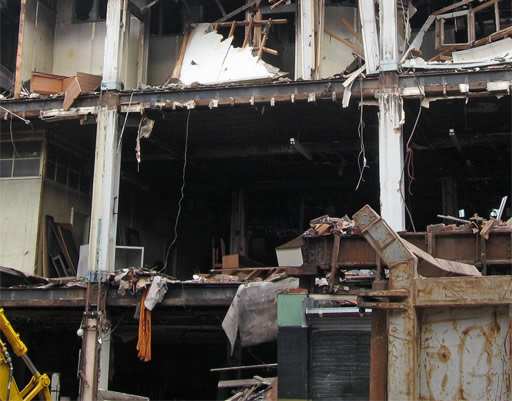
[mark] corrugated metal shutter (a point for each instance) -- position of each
(340, 358)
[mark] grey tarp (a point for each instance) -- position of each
(253, 312)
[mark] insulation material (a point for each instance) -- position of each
(253, 312)
(211, 59)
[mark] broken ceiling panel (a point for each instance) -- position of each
(211, 59)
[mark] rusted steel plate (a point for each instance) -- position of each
(446, 291)
(464, 354)
(429, 266)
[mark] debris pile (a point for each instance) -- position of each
(475, 224)
(325, 225)
(256, 389)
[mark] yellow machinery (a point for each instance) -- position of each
(39, 384)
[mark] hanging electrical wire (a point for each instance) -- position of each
(181, 198)
(361, 157)
(124, 123)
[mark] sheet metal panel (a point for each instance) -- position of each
(464, 354)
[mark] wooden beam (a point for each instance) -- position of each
(265, 365)
(248, 33)
(277, 4)
(267, 50)
(352, 30)
(452, 7)
(238, 11)
(484, 5)
(440, 55)
(19, 53)
(345, 42)
(179, 60)
(264, 40)
(232, 30)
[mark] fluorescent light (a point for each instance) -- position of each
(301, 149)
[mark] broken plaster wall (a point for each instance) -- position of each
(78, 47)
(38, 39)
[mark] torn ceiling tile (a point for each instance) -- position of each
(210, 59)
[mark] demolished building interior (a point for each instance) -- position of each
(195, 143)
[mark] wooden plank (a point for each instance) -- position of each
(243, 382)
(277, 4)
(232, 30)
(261, 366)
(352, 30)
(179, 61)
(238, 11)
(19, 52)
(248, 33)
(484, 5)
(487, 227)
(345, 42)
(452, 7)
(494, 36)
(88, 82)
(267, 50)
(263, 41)
(72, 93)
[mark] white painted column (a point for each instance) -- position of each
(391, 156)
(391, 161)
(306, 38)
(105, 199)
(388, 35)
(370, 37)
(105, 192)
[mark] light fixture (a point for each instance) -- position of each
(455, 140)
(301, 149)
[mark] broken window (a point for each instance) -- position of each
(20, 159)
(89, 10)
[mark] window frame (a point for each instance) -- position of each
(14, 158)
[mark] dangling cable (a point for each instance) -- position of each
(360, 131)
(181, 198)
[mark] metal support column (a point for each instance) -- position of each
(105, 197)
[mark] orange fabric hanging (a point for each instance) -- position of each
(144, 342)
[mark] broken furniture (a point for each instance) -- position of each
(72, 87)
